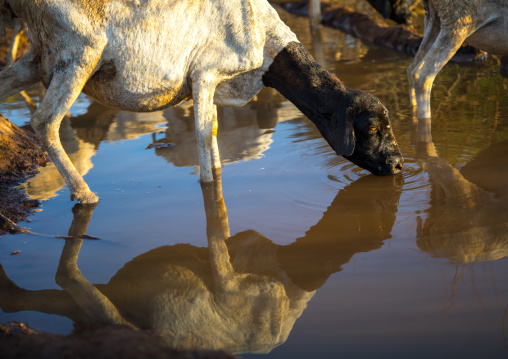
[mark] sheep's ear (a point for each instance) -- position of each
(345, 138)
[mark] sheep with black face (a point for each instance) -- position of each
(130, 55)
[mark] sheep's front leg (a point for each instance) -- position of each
(66, 84)
(441, 51)
(205, 113)
(19, 76)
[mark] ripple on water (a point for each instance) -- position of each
(413, 180)
(342, 172)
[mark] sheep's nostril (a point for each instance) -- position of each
(397, 167)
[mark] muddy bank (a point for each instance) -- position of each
(402, 38)
(20, 156)
(17, 340)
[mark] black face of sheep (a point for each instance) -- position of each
(366, 137)
(354, 123)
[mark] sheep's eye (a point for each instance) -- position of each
(372, 128)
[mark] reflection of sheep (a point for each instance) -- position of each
(131, 125)
(243, 293)
(448, 23)
(254, 313)
(468, 218)
(240, 135)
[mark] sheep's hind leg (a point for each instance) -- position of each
(66, 84)
(19, 76)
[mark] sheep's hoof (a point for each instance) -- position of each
(84, 197)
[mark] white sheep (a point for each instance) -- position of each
(147, 55)
(448, 23)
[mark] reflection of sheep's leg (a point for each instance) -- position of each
(31, 104)
(13, 49)
(425, 148)
(95, 304)
(217, 231)
(15, 299)
(423, 75)
(216, 165)
(82, 213)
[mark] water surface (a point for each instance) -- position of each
(297, 253)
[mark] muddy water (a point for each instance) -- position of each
(306, 255)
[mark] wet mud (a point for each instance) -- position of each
(17, 340)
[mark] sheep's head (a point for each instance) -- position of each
(364, 136)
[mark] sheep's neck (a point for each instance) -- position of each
(299, 78)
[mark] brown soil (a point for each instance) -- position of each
(20, 155)
(17, 340)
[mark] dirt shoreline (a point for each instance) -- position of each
(20, 157)
(17, 340)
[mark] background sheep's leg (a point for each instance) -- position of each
(315, 15)
(441, 51)
(66, 85)
(18, 77)
(429, 37)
